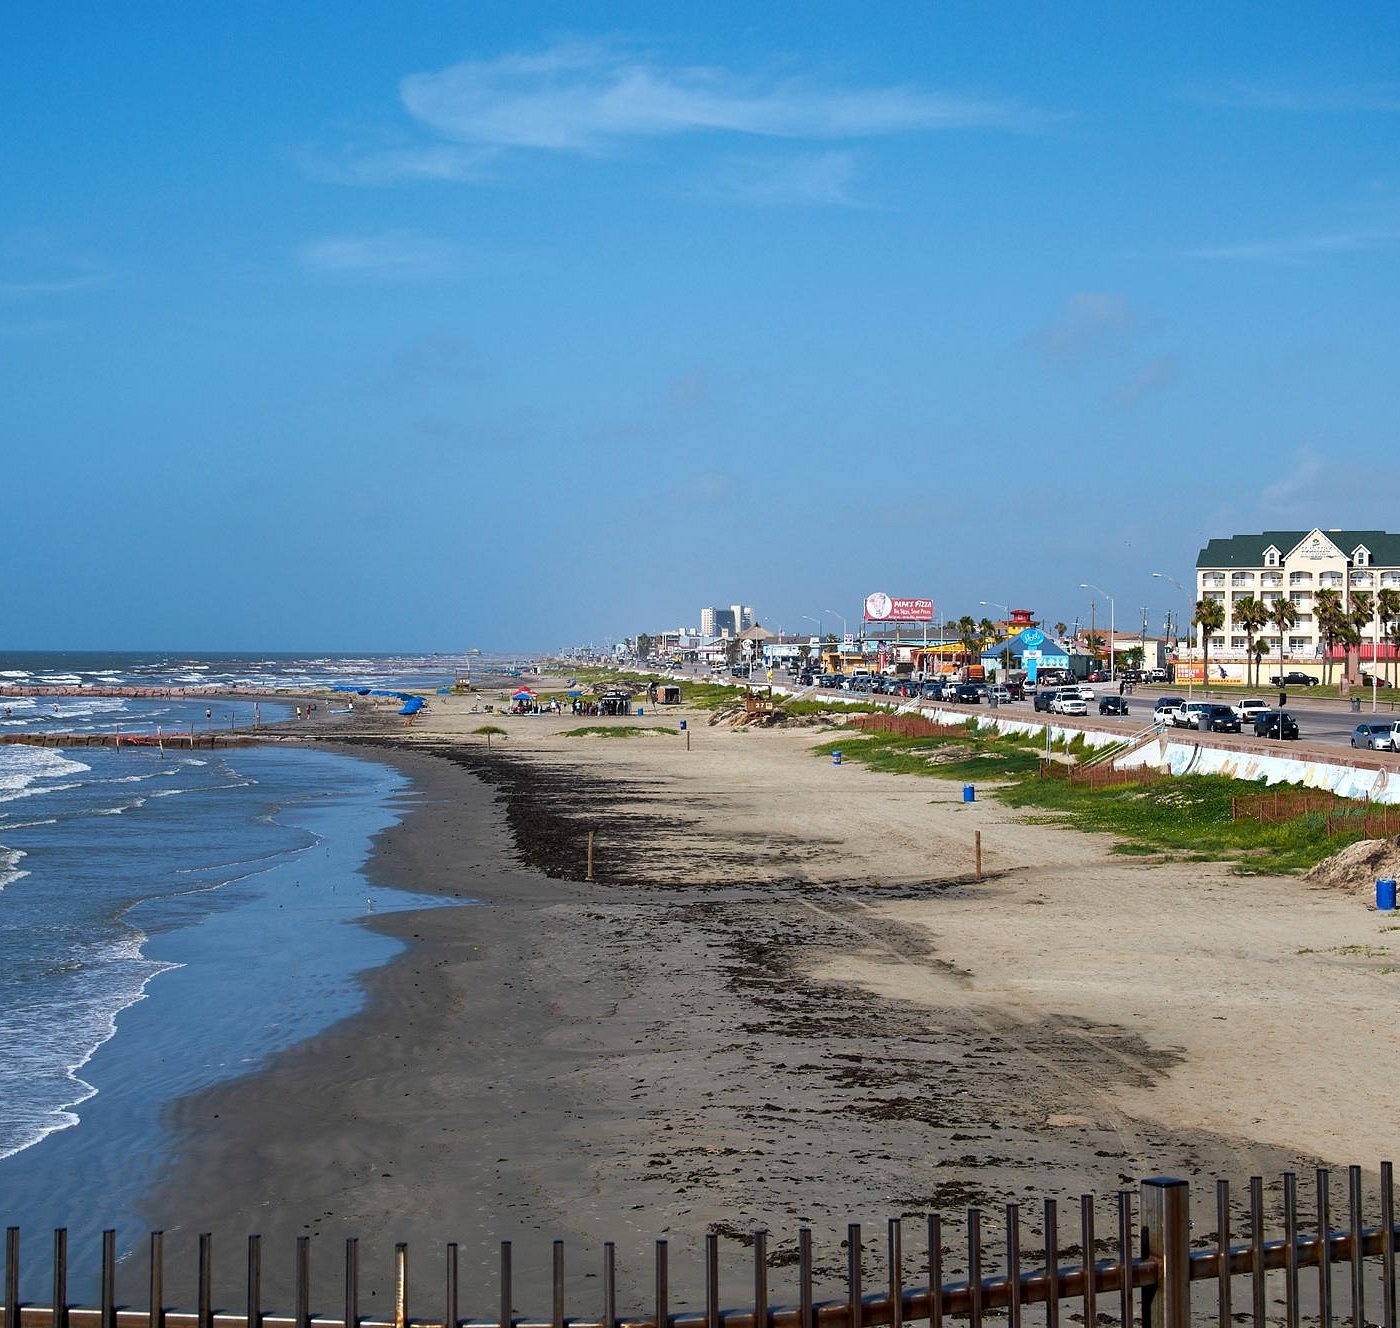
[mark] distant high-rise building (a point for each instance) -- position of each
(717, 622)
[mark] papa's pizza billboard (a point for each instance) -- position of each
(880, 607)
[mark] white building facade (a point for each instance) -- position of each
(1296, 564)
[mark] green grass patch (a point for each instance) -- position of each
(617, 731)
(965, 757)
(1187, 819)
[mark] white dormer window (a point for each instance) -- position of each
(1361, 558)
(1271, 557)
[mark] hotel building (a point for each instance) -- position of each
(1296, 563)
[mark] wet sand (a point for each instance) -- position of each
(753, 1017)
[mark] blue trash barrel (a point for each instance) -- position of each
(969, 793)
(682, 726)
(640, 710)
(1385, 894)
(835, 758)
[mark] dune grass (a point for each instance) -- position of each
(616, 731)
(1186, 819)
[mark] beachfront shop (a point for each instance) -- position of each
(1030, 650)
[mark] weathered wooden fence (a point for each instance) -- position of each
(1100, 776)
(1342, 816)
(1147, 1280)
(907, 726)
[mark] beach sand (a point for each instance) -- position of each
(784, 1000)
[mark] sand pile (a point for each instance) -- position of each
(1359, 865)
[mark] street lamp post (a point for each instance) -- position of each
(1112, 621)
(1162, 576)
(834, 614)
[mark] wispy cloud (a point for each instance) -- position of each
(821, 178)
(1088, 324)
(1300, 248)
(1346, 99)
(591, 97)
(389, 254)
(1156, 375)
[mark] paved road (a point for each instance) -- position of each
(1321, 722)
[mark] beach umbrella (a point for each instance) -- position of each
(575, 692)
(524, 694)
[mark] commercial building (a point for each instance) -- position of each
(1296, 564)
(721, 622)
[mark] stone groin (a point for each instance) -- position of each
(186, 741)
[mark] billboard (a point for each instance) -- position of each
(880, 607)
(1190, 670)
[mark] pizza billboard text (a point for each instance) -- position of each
(880, 607)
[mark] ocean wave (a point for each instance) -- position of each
(85, 1026)
(124, 807)
(22, 767)
(10, 870)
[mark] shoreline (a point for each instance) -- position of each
(633, 1058)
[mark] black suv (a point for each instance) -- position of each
(967, 691)
(1275, 724)
(1294, 679)
(1221, 719)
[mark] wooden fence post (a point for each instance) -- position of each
(1166, 1239)
(589, 874)
(977, 849)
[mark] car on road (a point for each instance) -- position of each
(1069, 704)
(1113, 705)
(1222, 719)
(1156, 675)
(1275, 724)
(969, 693)
(1246, 710)
(1294, 679)
(1188, 714)
(1087, 694)
(999, 695)
(1374, 737)
(1166, 705)
(1098, 675)
(1044, 698)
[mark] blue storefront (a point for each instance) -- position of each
(1031, 650)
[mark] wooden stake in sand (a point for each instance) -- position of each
(588, 876)
(977, 850)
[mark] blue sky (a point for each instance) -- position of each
(433, 326)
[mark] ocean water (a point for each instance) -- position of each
(165, 923)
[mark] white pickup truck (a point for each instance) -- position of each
(1247, 710)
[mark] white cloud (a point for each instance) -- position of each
(580, 97)
(584, 97)
(1300, 248)
(1089, 323)
(1156, 375)
(389, 254)
(1347, 99)
(805, 178)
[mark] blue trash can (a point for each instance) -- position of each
(969, 793)
(682, 726)
(640, 710)
(1385, 894)
(835, 758)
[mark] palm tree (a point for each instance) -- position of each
(1209, 617)
(1359, 618)
(1060, 630)
(1388, 606)
(1261, 648)
(987, 631)
(1327, 605)
(967, 633)
(1283, 615)
(1251, 614)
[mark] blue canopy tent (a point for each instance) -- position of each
(412, 705)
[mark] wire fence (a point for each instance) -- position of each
(1147, 1278)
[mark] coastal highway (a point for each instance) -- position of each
(1321, 722)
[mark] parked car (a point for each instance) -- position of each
(1374, 737)
(1275, 724)
(1222, 719)
(1098, 675)
(1068, 704)
(1157, 675)
(1246, 710)
(1113, 705)
(1188, 714)
(1294, 679)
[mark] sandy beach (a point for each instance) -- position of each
(784, 1000)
